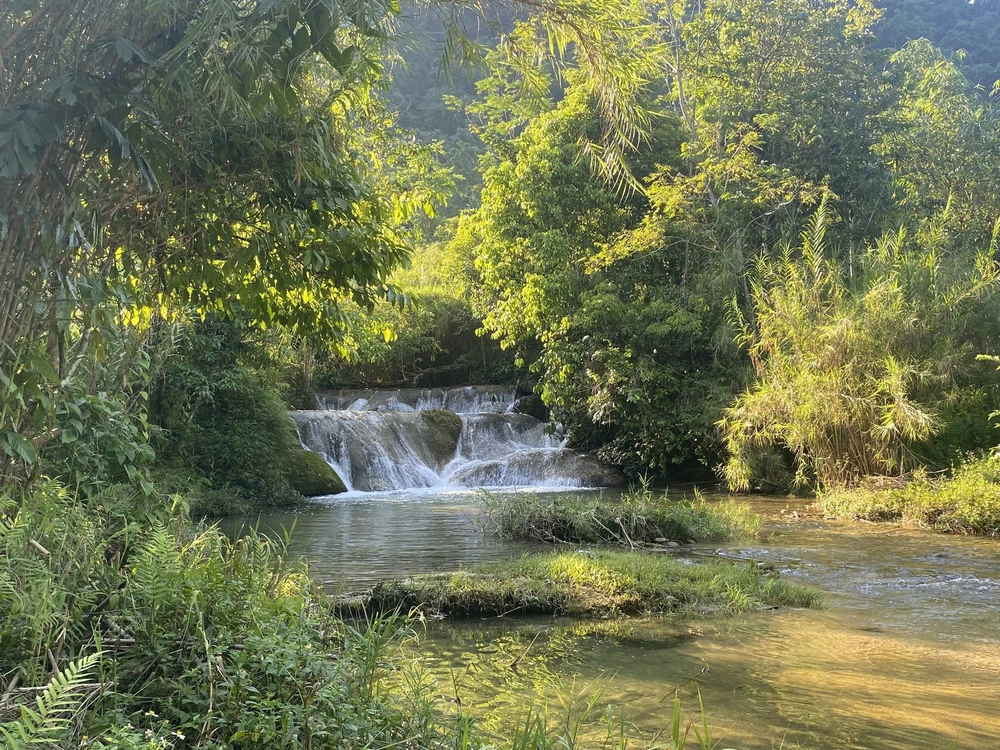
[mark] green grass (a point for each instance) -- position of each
(589, 583)
(966, 503)
(639, 517)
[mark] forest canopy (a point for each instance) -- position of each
(607, 193)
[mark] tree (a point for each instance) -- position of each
(202, 155)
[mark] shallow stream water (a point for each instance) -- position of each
(905, 652)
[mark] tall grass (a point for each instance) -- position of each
(639, 517)
(853, 360)
(968, 502)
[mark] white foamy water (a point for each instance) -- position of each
(383, 440)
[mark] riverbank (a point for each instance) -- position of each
(638, 517)
(587, 583)
(968, 502)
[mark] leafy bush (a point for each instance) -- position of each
(637, 517)
(223, 419)
(966, 503)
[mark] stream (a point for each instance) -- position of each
(905, 652)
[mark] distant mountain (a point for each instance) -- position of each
(952, 25)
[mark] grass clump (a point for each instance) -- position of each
(638, 517)
(589, 583)
(968, 502)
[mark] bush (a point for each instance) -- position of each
(966, 503)
(636, 518)
(223, 420)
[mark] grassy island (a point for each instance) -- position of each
(588, 582)
(637, 518)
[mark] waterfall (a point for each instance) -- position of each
(482, 399)
(456, 437)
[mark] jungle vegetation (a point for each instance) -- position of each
(752, 237)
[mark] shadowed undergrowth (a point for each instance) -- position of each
(589, 583)
(636, 518)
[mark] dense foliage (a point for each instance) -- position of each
(955, 26)
(629, 306)
(751, 234)
(220, 418)
(850, 362)
(194, 640)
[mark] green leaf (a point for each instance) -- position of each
(21, 447)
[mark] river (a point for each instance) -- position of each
(905, 652)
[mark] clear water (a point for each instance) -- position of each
(904, 654)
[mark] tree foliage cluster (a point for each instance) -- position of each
(645, 314)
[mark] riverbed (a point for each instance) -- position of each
(905, 652)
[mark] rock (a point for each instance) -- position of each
(532, 406)
(660, 540)
(531, 467)
(311, 476)
(673, 544)
(691, 541)
(525, 387)
(443, 431)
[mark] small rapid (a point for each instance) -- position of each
(467, 437)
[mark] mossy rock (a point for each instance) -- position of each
(311, 476)
(443, 431)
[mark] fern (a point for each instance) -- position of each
(51, 718)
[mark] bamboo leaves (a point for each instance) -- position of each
(849, 370)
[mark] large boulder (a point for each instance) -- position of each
(444, 428)
(532, 406)
(311, 476)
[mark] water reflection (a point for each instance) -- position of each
(354, 540)
(905, 654)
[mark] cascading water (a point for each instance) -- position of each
(455, 437)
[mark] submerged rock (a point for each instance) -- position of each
(311, 476)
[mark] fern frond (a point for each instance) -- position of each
(51, 718)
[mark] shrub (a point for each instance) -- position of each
(637, 517)
(966, 503)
